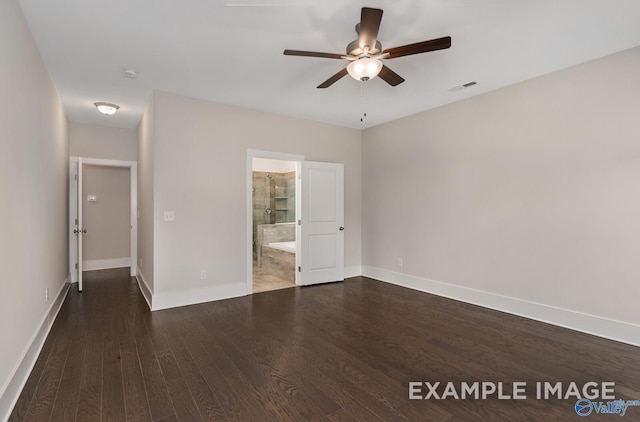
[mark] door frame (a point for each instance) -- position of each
(282, 156)
(73, 206)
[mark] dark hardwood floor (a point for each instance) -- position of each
(343, 351)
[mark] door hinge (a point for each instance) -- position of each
(76, 265)
(76, 221)
(299, 269)
(75, 177)
(299, 222)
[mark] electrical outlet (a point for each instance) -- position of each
(203, 274)
(400, 262)
(169, 216)
(46, 294)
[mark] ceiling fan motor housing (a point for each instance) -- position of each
(353, 49)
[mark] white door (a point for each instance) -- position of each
(79, 229)
(75, 222)
(322, 223)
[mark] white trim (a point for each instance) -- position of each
(271, 155)
(144, 288)
(133, 189)
(15, 383)
(105, 264)
(624, 332)
(107, 163)
(254, 153)
(175, 298)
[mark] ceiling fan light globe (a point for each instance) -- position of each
(364, 69)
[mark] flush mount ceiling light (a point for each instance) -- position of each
(107, 108)
(364, 69)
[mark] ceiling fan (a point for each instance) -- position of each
(366, 52)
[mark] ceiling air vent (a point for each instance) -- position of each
(463, 86)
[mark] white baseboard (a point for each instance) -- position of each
(144, 287)
(352, 271)
(105, 264)
(13, 387)
(621, 331)
(175, 298)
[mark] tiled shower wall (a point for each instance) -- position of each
(274, 191)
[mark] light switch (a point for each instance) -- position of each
(92, 198)
(169, 216)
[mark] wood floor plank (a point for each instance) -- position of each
(113, 407)
(183, 402)
(237, 406)
(208, 406)
(89, 404)
(135, 396)
(157, 393)
(66, 403)
(90, 395)
(42, 404)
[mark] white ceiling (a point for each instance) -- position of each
(208, 49)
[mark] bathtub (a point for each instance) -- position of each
(279, 258)
(283, 246)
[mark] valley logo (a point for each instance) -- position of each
(584, 407)
(587, 397)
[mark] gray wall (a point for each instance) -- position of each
(108, 219)
(146, 182)
(34, 154)
(111, 143)
(531, 191)
(200, 163)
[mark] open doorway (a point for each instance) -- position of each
(318, 221)
(274, 224)
(101, 253)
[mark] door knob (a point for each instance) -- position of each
(341, 228)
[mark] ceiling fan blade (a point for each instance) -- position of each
(390, 77)
(369, 25)
(419, 47)
(312, 54)
(333, 79)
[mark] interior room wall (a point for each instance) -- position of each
(200, 159)
(34, 187)
(107, 243)
(273, 166)
(146, 215)
(110, 143)
(530, 192)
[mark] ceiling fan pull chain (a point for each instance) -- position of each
(362, 95)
